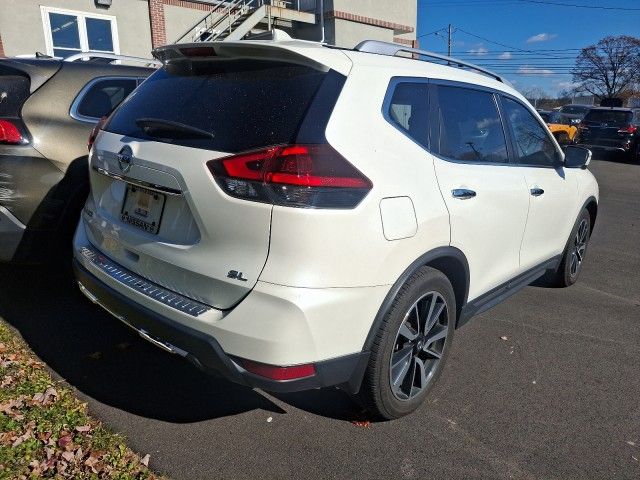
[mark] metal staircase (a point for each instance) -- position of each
(233, 19)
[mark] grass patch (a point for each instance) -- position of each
(45, 431)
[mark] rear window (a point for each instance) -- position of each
(613, 118)
(14, 90)
(574, 110)
(237, 104)
(104, 95)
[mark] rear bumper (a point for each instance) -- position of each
(205, 352)
(611, 147)
(11, 233)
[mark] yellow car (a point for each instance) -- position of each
(560, 127)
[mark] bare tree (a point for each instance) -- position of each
(533, 94)
(610, 69)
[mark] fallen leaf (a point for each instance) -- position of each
(145, 460)
(91, 461)
(25, 436)
(6, 381)
(64, 441)
(68, 456)
(47, 397)
(83, 428)
(363, 423)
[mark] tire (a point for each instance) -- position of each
(573, 256)
(426, 299)
(635, 156)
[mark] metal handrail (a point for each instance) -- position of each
(219, 15)
(392, 49)
(228, 12)
(112, 56)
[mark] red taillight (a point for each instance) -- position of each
(9, 133)
(294, 175)
(94, 132)
(628, 129)
(274, 372)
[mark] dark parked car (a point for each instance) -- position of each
(611, 129)
(48, 108)
(575, 112)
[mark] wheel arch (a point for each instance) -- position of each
(448, 260)
(591, 205)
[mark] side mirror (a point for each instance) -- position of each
(576, 157)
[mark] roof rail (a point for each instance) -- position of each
(112, 56)
(392, 49)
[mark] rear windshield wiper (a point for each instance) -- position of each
(157, 127)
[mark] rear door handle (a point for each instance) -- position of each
(462, 193)
(536, 192)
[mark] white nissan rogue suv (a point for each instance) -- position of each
(298, 216)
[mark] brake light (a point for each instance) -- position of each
(9, 133)
(198, 52)
(313, 176)
(94, 132)
(628, 129)
(279, 373)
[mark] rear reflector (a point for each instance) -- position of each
(9, 133)
(312, 176)
(273, 372)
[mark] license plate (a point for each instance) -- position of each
(143, 208)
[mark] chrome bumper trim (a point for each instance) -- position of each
(166, 346)
(138, 183)
(140, 285)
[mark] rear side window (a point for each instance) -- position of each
(408, 110)
(469, 126)
(104, 95)
(14, 91)
(532, 143)
(229, 105)
(614, 118)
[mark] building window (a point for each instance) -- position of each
(68, 32)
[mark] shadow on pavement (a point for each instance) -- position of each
(613, 157)
(107, 361)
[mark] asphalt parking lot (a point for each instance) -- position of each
(558, 399)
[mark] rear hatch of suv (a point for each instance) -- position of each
(156, 208)
(607, 128)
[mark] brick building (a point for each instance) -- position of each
(134, 27)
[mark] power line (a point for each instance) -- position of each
(435, 32)
(558, 4)
(472, 3)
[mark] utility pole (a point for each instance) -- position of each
(449, 49)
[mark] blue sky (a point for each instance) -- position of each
(540, 40)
